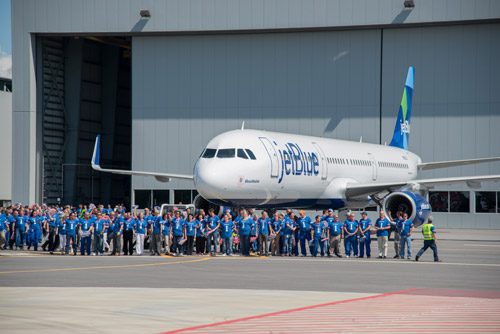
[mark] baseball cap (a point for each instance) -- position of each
(364, 213)
(302, 211)
(330, 210)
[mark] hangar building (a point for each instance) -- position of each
(159, 78)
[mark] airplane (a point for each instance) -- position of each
(272, 170)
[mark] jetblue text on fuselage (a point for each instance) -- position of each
(294, 161)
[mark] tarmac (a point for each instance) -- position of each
(151, 294)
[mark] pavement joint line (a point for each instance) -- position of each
(285, 311)
(103, 267)
(276, 258)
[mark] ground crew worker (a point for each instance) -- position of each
(213, 224)
(276, 231)
(304, 223)
(397, 239)
(141, 231)
(317, 233)
(382, 225)
(405, 229)
(350, 235)
(70, 228)
(335, 235)
(430, 240)
(263, 226)
(365, 225)
(244, 227)
(86, 228)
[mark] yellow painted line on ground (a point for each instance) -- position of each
(103, 267)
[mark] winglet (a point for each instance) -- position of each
(402, 128)
(95, 155)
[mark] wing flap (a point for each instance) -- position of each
(454, 163)
(356, 190)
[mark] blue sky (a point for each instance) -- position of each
(5, 39)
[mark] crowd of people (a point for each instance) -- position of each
(94, 230)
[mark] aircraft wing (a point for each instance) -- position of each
(162, 177)
(454, 163)
(355, 190)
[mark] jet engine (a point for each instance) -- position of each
(417, 208)
(201, 203)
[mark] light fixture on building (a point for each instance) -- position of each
(409, 4)
(145, 14)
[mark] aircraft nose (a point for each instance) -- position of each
(207, 179)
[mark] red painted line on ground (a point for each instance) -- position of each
(286, 311)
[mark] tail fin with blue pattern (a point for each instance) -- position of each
(402, 129)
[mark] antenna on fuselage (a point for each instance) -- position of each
(243, 126)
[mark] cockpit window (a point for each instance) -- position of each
(209, 153)
(250, 154)
(242, 154)
(226, 153)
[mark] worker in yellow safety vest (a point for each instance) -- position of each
(430, 240)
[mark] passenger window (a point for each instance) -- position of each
(226, 153)
(242, 154)
(250, 154)
(209, 153)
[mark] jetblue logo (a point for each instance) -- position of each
(294, 161)
(405, 127)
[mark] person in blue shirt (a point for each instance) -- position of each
(244, 231)
(128, 234)
(141, 231)
(263, 226)
(165, 232)
(12, 219)
(276, 227)
(21, 229)
(156, 231)
(116, 226)
(178, 232)
(201, 239)
(288, 229)
(335, 235)
(61, 233)
(70, 228)
(4, 229)
(317, 233)
(213, 223)
(35, 229)
(304, 223)
(397, 237)
(85, 229)
(350, 235)
(365, 225)
(382, 225)
(405, 230)
(100, 225)
(51, 222)
(190, 226)
(227, 227)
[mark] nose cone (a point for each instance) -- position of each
(208, 179)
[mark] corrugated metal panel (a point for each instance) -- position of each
(53, 113)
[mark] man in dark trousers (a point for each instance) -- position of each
(430, 240)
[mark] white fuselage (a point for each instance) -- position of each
(295, 171)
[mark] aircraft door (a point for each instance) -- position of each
(273, 156)
(324, 166)
(374, 166)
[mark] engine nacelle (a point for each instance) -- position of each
(201, 203)
(417, 208)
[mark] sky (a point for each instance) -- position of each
(5, 39)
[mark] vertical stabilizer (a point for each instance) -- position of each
(402, 128)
